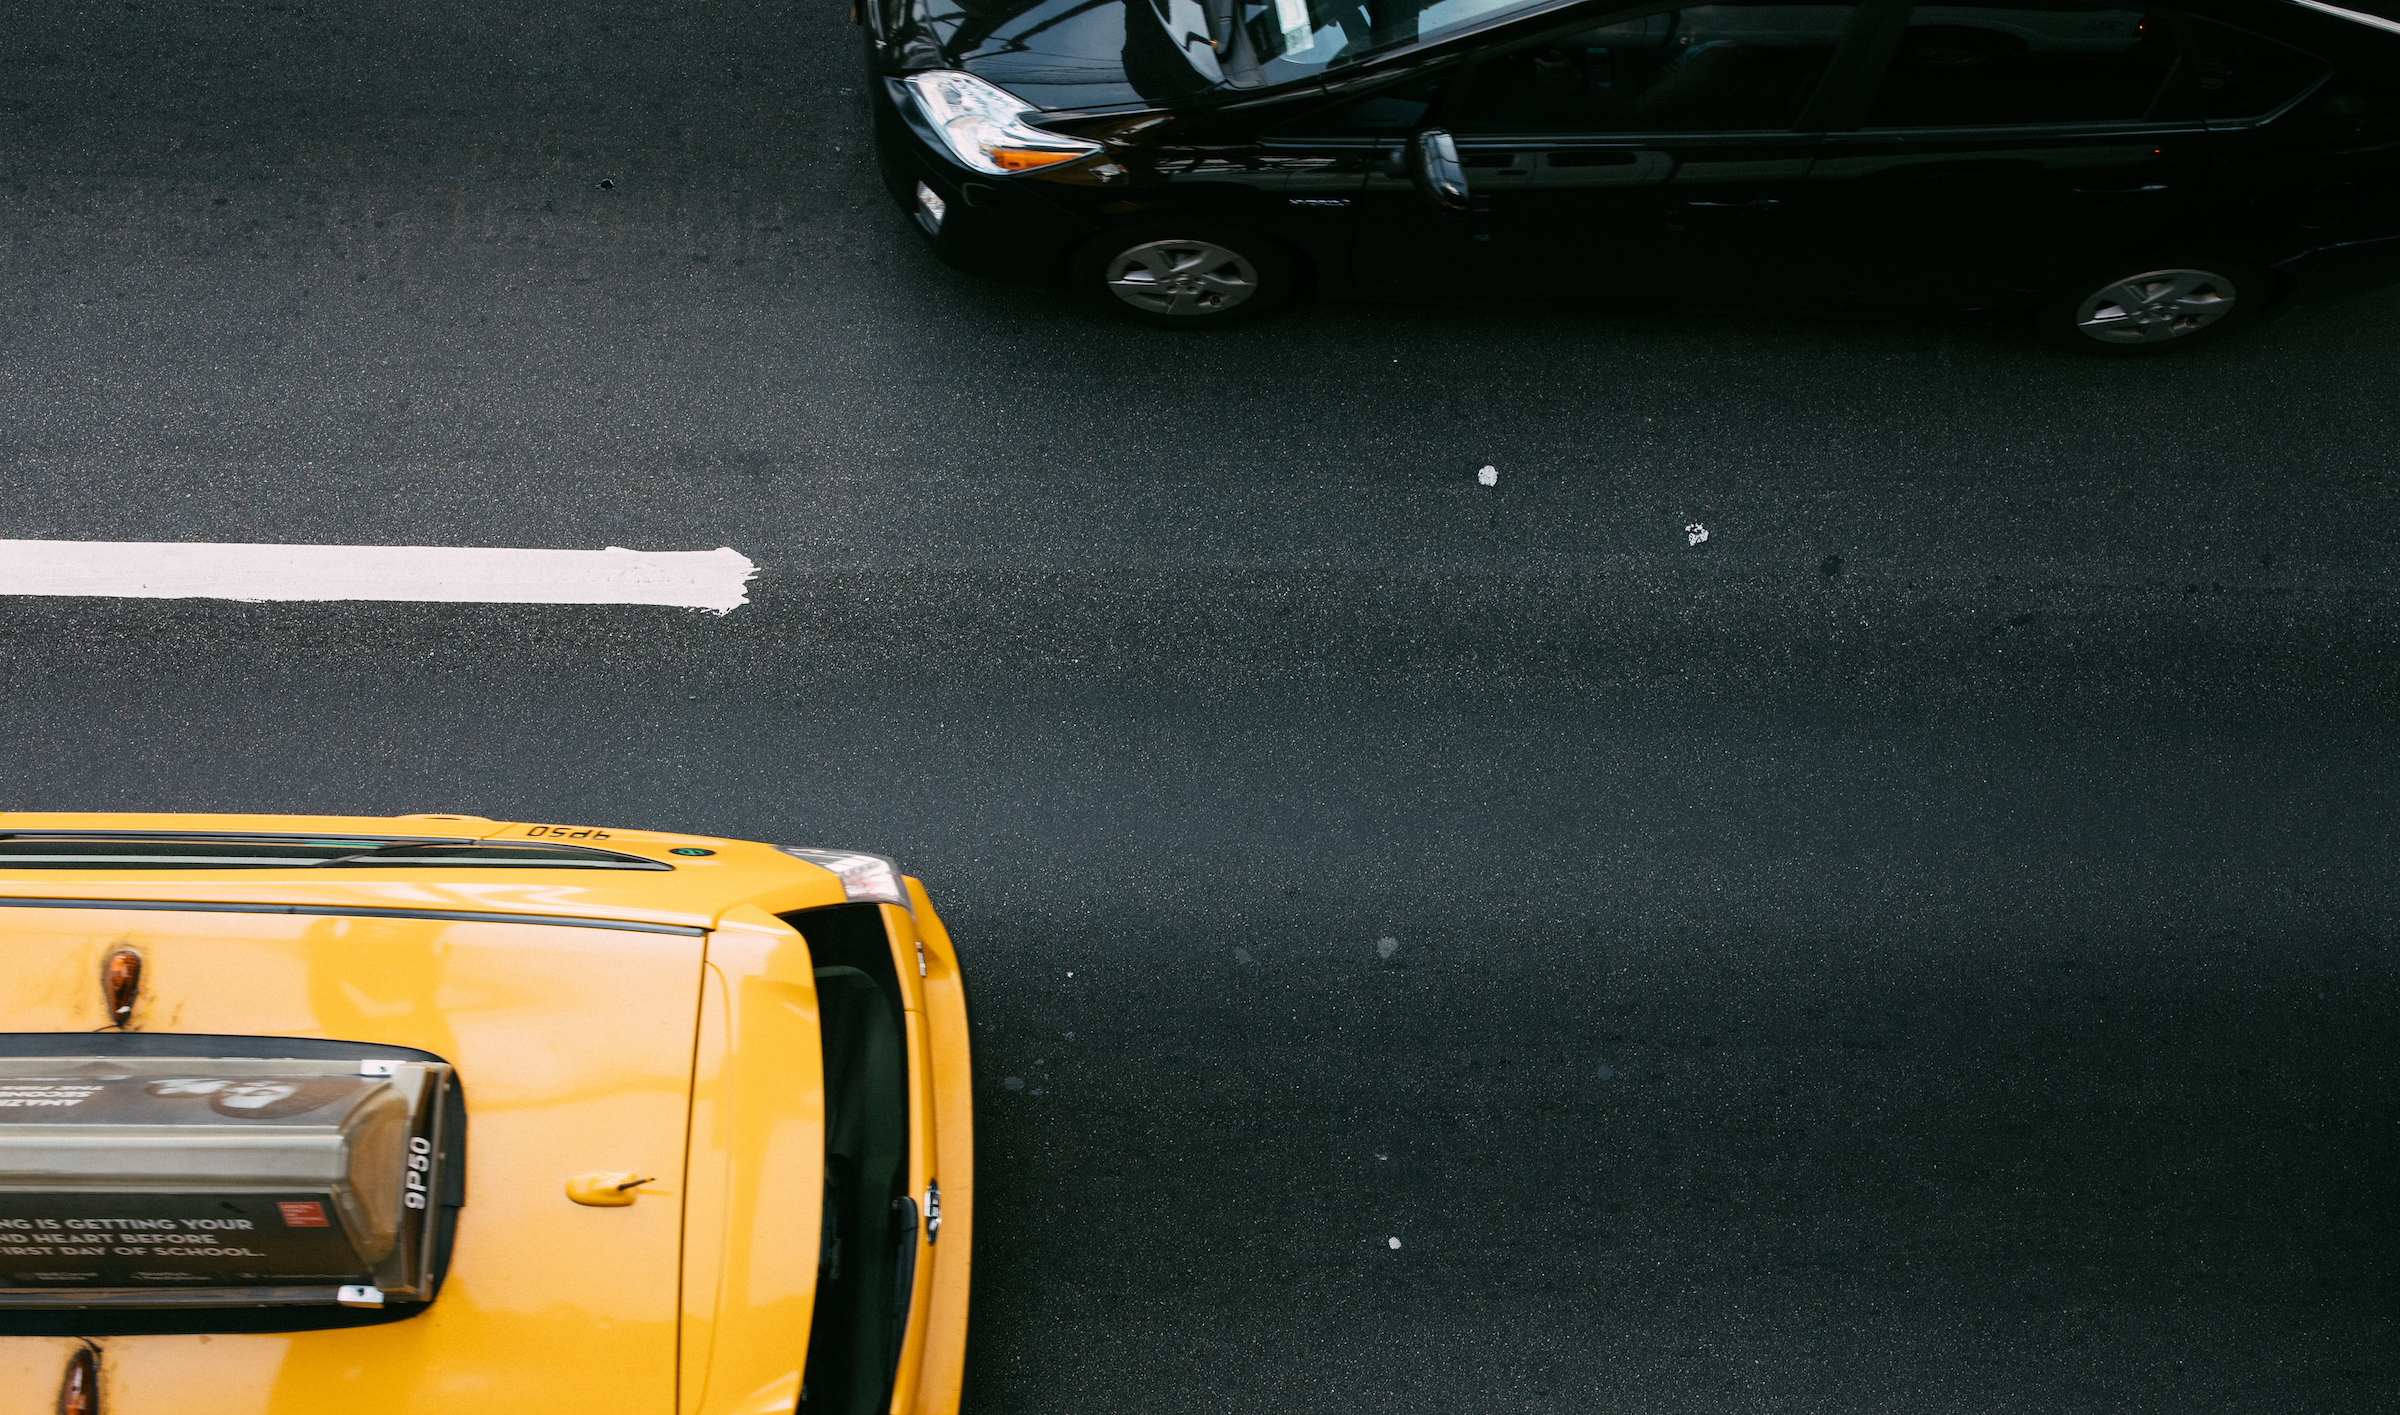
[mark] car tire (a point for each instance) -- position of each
(1184, 275)
(2137, 308)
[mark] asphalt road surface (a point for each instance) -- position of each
(1927, 947)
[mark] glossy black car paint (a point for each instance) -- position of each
(1826, 210)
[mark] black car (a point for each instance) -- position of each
(2140, 178)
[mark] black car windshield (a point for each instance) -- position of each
(1294, 38)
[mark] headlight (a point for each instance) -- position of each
(866, 879)
(985, 125)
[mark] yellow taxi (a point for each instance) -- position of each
(434, 1113)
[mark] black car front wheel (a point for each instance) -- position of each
(2153, 307)
(1184, 277)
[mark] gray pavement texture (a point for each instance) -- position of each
(1928, 947)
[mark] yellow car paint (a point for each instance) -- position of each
(689, 1060)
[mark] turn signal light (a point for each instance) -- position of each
(121, 985)
(79, 1389)
(1020, 159)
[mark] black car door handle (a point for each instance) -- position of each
(1762, 201)
(2121, 191)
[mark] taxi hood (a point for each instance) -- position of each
(1061, 54)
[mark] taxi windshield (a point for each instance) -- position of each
(867, 1246)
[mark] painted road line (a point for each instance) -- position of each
(695, 579)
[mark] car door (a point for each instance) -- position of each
(2294, 152)
(1998, 147)
(1652, 152)
(1290, 169)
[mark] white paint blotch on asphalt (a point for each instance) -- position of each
(1386, 947)
(1606, 1074)
(690, 579)
(1394, 1242)
(1014, 1083)
(1696, 533)
(1241, 955)
(1489, 476)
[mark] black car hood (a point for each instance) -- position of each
(1061, 53)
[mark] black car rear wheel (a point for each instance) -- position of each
(1184, 277)
(2154, 307)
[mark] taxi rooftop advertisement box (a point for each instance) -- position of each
(151, 1181)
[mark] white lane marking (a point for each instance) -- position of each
(695, 579)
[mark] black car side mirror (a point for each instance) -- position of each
(1433, 163)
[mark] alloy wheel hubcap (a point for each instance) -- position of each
(2156, 306)
(1181, 277)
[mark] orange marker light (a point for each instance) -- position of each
(121, 983)
(1020, 159)
(79, 1389)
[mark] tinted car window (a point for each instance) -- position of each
(2243, 75)
(1393, 109)
(1708, 68)
(2037, 61)
(1293, 37)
